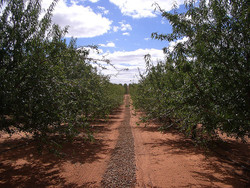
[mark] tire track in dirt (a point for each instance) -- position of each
(121, 167)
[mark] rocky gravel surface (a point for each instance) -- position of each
(121, 167)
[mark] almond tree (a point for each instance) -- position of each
(207, 75)
(47, 87)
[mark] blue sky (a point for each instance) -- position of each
(121, 28)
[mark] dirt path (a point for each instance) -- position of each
(121, 168)
(125, 155)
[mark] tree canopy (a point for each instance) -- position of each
(205, 78)
(47, 87)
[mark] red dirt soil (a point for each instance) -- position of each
(162, 160)
(171, 160)
(83, 165)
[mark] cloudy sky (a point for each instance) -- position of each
(121, 28)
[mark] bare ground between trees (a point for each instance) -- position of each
(162, 160)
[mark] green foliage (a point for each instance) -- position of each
(205, 80)
(46, 86)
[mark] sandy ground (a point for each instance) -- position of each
(83, 165)
(162, 160)
(171, 160)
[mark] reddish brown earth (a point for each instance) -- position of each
(162, 159)
(171, 160)
(83, 165)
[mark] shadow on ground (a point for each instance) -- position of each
(23, 166)
(227, 160)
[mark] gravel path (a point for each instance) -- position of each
(121, 167)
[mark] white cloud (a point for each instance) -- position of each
(172, 44)
(82, 21)
(123, 27)
(94, 1)
(126, 34)
(115, 28)
(103, 9)
(128, 59)
(110, 44)
(147, 39)
(144, 8)
(163, 21)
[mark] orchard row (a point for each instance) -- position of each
(205, 78)
(48, 87)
